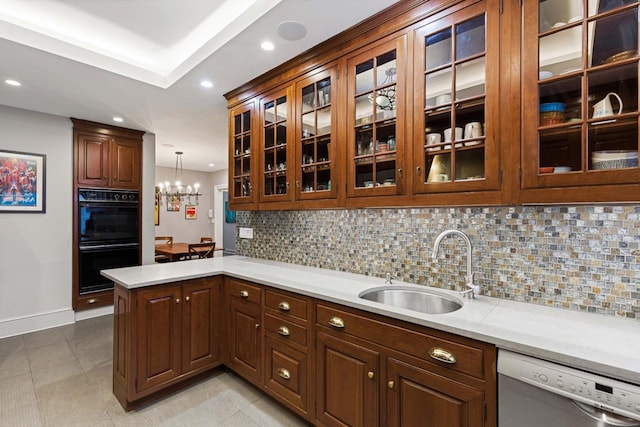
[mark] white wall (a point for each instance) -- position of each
(173, 223)
(35, 249)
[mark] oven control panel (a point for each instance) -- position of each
(601, 392)
(98, 195)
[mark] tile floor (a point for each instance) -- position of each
(62, 377)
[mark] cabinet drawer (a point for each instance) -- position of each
(286, 303)
(468, 359)
(284, 330)
(287, 374)
(245, 291)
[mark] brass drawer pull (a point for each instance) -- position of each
(336, 322)
(244, 294)
(371, 375)
(391, 384)
(284, 331)
(284, 373)
(93, 300)
(284, 306)
(187, 299)
(442, 355)
(177, 300)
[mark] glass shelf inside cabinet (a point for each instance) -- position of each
(275, 147)
(375, 122)
(242, 154)
(455, 95)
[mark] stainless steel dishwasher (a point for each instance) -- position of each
(538, 393)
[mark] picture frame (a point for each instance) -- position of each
(156, 212)
(229, 215)
(190, 212)
(22, 182)
(173, 203)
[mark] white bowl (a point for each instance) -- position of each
(614, 155)
(544, 74)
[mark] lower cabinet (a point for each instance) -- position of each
(164, 335)
(332, 365)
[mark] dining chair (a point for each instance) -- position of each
(206, 240)
(168, 240)
(201, 250)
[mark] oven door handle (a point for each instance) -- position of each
(606, 417)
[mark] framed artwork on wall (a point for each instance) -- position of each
(157, 210)
(229, 215)
(190, 212)
(173, 204)
(22, 182)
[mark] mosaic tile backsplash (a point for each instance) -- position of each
(584, 258)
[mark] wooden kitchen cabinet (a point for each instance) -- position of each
(243, 149)
(456, 85)
(316, 130)
(107, 156)
(425, 377)
(164, 335)
(244, 329)
(579, 101)
(346, 382)
(276, 164)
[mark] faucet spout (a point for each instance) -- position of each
(471, 288)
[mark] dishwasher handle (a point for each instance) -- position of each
(606, 417)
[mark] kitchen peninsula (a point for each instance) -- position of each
(595, 343)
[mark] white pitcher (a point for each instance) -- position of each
(603, 107)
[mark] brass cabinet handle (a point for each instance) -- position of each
(284, 331)
(297, 184)
(177, 300)
(115, 178)
(391, 384)
(284, 373)
(104, 177)
(257, 325)
(371, 375)
(399, 172)
(244, 294)
(336, 322)
(287, 185)
(93, 300)
(187, 299)
(442, 355)
(418, 171)
(284, 306)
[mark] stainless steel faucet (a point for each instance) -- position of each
(472, 289)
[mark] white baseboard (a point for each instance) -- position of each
(35, 322)
(94, 312)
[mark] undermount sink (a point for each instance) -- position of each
(425, 301)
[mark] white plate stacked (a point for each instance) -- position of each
(614, 159)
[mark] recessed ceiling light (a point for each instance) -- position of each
(206, 83)
(118, 119)
(267, 46)
(211, 165)
(13, 82)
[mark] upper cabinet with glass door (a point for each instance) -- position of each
(276, 154)
(375, 121)
(456, 88)
(580, 93)
(241, 128)
(316, 115)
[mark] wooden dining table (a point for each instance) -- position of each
(175, 251)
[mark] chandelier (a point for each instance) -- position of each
(386, 98)
(173, 193)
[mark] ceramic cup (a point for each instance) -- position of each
(473, 130)
(433, 138)
(447, 134)
(443, 99)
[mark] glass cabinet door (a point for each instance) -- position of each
(316, 115)
(580, 93)
(375, 120)
(457, 89)
(241, 125)
(275, 117)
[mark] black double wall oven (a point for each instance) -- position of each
(109, 235)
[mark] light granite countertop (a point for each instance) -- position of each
(601, 344)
